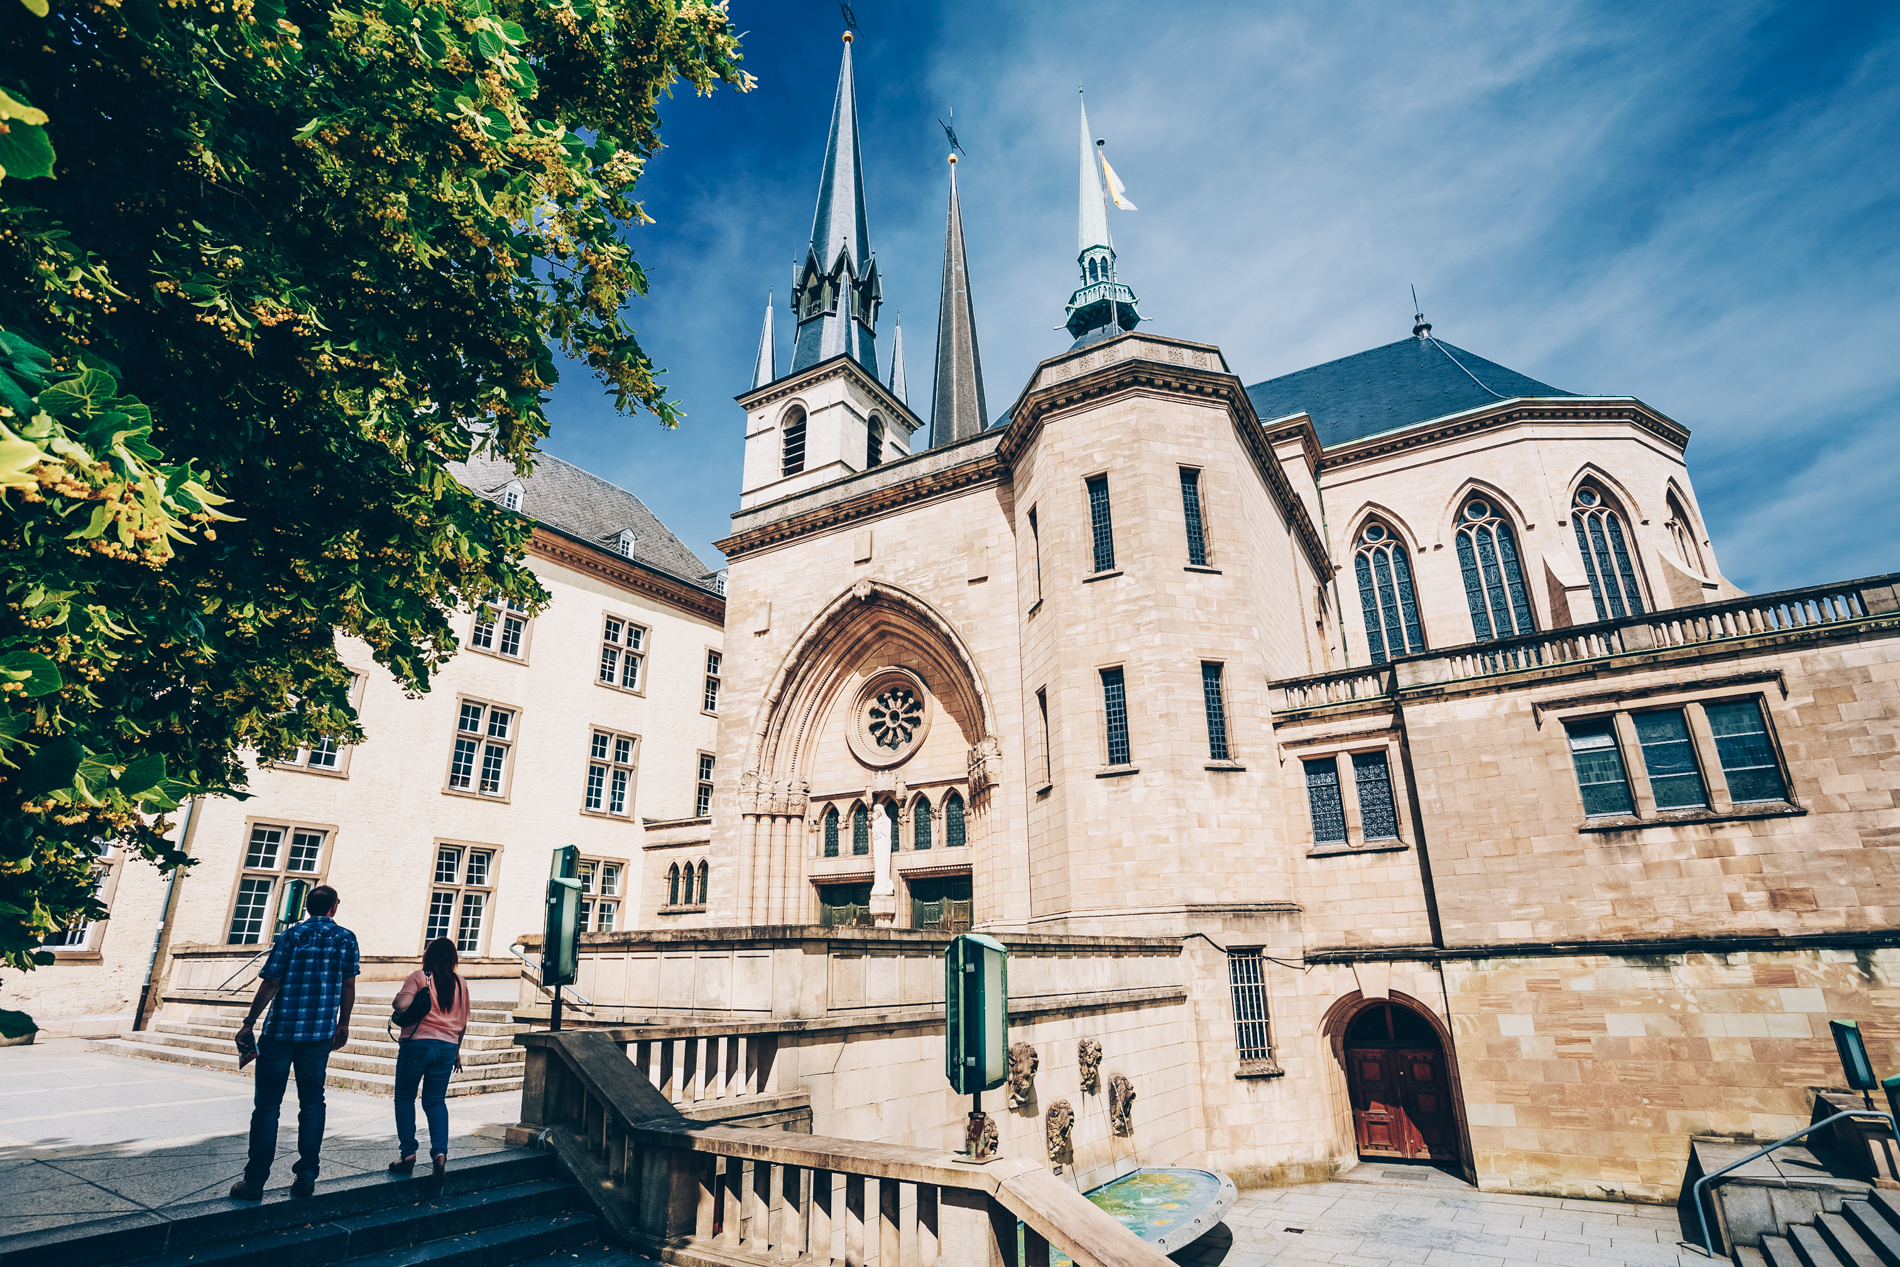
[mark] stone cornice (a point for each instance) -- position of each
(1581, 409)
(628, 574)
(989, 469)
(1135, 376)
(844, 365)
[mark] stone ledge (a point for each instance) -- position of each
(1691, 818)
(1109, 575)
(1117, 771)
(1259, 1069)
(1371, 846)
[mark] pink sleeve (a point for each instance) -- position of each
(408, 991)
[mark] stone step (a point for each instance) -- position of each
(1881, 1235)
(1847, 1243)
(1777, 1252)
(511, 1243)
(380, 1053)
(475, 1080)
(1813, 1249)
(366, 1025)
(365, 1047)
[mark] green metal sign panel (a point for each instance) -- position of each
(976, 1013)
(1853, 1051)
(561, 938)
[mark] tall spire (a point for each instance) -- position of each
(900, 388)
(1101, 306)
(765, 366)
(957, 410)
(837, 290)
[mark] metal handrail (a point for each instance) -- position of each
(219, 988)
(514, 949)
(1695, 1193)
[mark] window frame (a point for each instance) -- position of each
(644, 653)
(1214, 711)
(1194, 517)
(715, 680)
(504, 610)
(705, 765)
(591, 871)
(1101, 519)
(873, 442)
(1252, 1010)
(1048, 751)
(795, 423)
(1035, 549)
(276, 873)
(460, 889)
(1470, 563)
(108, 865)
(484, 741)
(1617, 529)
(1368, 552)
(1343, 757)
(1719, 803)
(301, 763)
(1109, 723)
(610, 765)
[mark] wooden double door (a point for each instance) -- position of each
(1401, 1094)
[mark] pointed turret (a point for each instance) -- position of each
(765, 367)
(1101, 306)
(836, 292)
(900, 388)
(957, 410)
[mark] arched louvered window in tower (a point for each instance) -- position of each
(1607, 561)
(860, 829)
(1385, 591)
(874, 442)
(704, 873)
(920, 824)
(1494, 578)
(831, 832)
(792, 455)
(673, 885)
(953, 821)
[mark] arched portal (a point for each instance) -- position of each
(1401, 1082)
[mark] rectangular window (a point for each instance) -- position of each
(325, 756)
(1115, 713)
(1191, 507)
(1669, 756)
(1747, 756)
(77, 936)
(458, 898)
(1246, 975)
(1378, 814)
(1035, 550)
(610, 767)
(1048, 762)
(1103, 530)
(713, 659)
(484, 741)
(702, 797)
(1322, 799)
(1216, 711)
(1599, 764)
(622, 654)
(275, 877)
(500, 627)
(600, 887)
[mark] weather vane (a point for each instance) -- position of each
(850, 18)
(951, 133)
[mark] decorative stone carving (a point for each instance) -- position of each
(1023, 1063)
(986, 764)
(1088, 1056)
(1056, 1125)
(980, 1137)
(749, 792)
(864, 591)
(1121, 1105)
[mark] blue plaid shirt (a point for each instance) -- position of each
(310, 962)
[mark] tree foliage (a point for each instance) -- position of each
(266, 268)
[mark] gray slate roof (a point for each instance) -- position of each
(1391, 387)
(581, 504)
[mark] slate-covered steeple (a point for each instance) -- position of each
(899, 385)
(836, 292)
(765, 367)
(1101, 306)
(957, 411)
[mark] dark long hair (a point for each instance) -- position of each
(439, 962)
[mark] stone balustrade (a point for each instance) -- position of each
(728, 1194)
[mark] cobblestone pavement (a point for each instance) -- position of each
(1383, 1215)
(84, 1135)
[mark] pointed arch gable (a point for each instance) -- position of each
(1589, 472)
(1472, 487)
(1369, 511)
(872, 623)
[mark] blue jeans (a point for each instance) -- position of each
(275, 1059)
(426, 1062)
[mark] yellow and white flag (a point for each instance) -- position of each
(1115, 190)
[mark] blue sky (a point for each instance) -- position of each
(1695, 204)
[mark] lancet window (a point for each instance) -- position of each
(953, 821)
(1385, 592)
(831, 832)
(1682, 533)
(1494, 577)
(920, 824)
(1604, 543)
(874, 443)
(860, 829)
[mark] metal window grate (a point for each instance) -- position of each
(1191, 507)
(1378, 815)
(1099, 523)
(1246, 974)
(1115, 711)
(1322, 798)
(1216, 712)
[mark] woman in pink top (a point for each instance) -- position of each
(430, 1050)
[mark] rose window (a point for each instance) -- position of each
(893, 717)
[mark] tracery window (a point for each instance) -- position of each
(831, 832)
(704, 873)
(1494, 579)
(890, 816)
(860, 829)
(1604, 544)
(920, 824)
(673, 884)
(1385, 592)
(953, 821)
(1682, 533)
(792, 455)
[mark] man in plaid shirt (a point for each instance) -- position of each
(311, 977)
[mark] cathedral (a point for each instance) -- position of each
(1374, 760)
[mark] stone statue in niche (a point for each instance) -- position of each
(1121, 1105)
(1088, 1056)
(1056, 1125)
(1023, 1063)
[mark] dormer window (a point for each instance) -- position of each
(623, 544)
(509, 495)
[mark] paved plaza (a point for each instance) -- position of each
(85, 1135)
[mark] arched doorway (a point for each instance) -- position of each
(1402, 1105)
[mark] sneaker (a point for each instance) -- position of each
(304, 1187)
(245, 1190)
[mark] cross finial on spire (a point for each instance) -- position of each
(837, 291)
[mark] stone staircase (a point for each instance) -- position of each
(490, 1210)
(490, 1060)
(1862, 1234)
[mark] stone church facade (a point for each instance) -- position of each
(1375, 760)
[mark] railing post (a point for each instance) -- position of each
(708, 1212)
(730, 1212)
(968, 1237)
(789, 1236)
(1035, 1248)
(890, 1245)
(669, 1193)
(818, 1238)
(853, 1220)
(925, 1249)
(759, 1207)
(534, 1089)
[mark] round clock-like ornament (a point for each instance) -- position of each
(889, 718)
